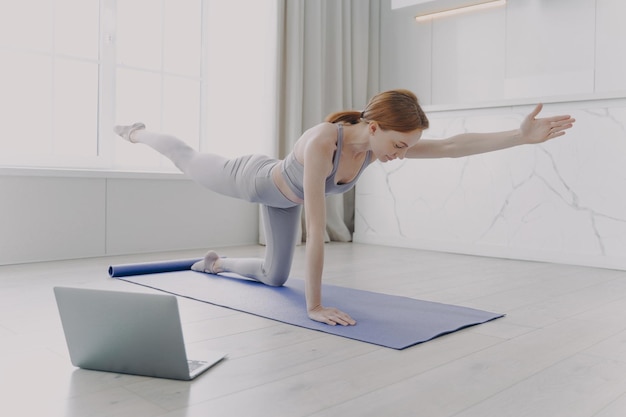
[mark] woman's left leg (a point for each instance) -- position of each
(231, 177)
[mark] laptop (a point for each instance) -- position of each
(127, 332)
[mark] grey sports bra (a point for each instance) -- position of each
(293, 171)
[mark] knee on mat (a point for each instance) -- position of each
(275, 280)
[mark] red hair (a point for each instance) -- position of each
(396, 110)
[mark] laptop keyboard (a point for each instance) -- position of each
(193, 365)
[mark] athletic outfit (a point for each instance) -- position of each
(293, 171)
(249, 178)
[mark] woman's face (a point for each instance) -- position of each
(388, 145)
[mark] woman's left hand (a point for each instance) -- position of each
(540, 130)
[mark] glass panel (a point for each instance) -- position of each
(240, 77)
(181, 109)
(76, 28)
(182, 37)
(138, 97)
(610, 65)
(26, 24)
(75, 108)
(139, 33)
(25, 104)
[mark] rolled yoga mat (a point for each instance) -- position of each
(386, 320)
(118, 271)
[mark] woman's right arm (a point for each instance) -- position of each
(317, 157)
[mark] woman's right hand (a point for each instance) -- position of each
(331, 316)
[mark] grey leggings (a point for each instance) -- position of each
(248, 178)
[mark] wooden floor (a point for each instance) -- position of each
(560, 351)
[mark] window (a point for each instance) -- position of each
(158, 73)
(48, 80)
(74, 68)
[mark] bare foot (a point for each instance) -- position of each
(208, 264)
(126, 131)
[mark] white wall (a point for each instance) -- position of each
(562, 201)
(54, 216)
(526, 50)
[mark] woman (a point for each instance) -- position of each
(327, 159)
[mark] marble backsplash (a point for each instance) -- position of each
(562, 201)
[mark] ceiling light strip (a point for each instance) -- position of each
(445, 13)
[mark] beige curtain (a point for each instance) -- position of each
(328, 56)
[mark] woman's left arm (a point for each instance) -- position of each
(532, 130)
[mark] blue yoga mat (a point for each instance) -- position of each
(386, 320)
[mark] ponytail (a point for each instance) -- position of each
(397, 110)
(351, 117)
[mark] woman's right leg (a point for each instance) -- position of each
(230, 177)
(281, 231)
